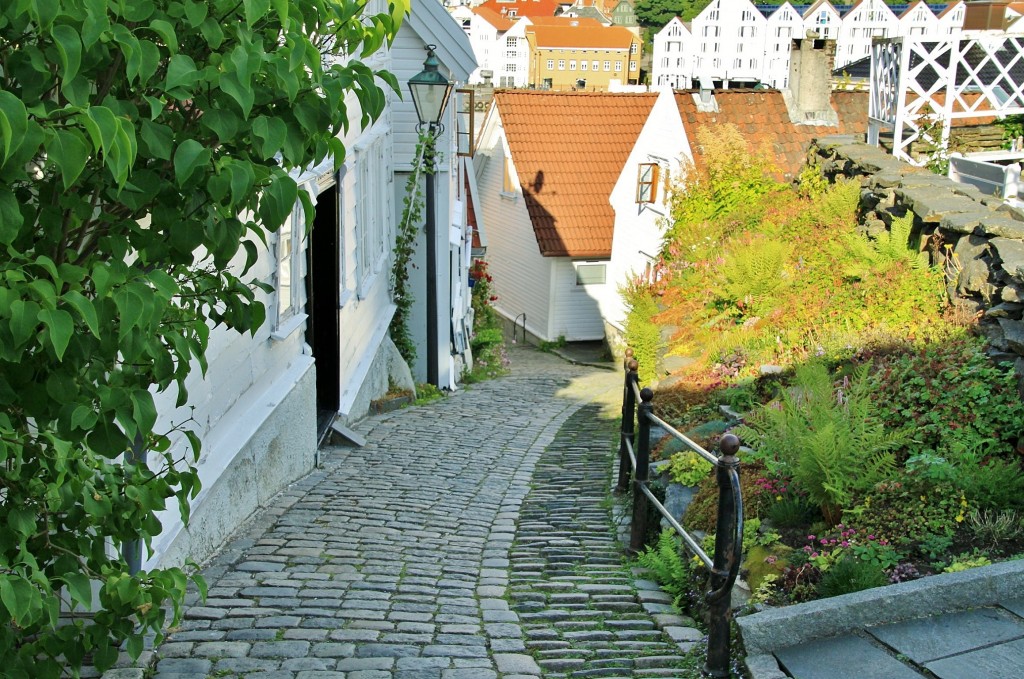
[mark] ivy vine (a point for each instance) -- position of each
(405, 246)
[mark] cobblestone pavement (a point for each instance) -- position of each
(402, 560)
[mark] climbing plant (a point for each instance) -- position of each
(405, 246)
(145, 151)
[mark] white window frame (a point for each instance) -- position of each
(596, 264)
(373, 213)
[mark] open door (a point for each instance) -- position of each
(322, 306)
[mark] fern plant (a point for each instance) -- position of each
(667, 565)
(755, 273)
(829, 439)
(885, 249)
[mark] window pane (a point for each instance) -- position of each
(590, 274)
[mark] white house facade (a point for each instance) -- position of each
(324, 352)
(673, 53)
(734, 42)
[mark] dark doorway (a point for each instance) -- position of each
(322, 289)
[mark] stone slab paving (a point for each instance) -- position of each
(581, 609)
(1002, 661)
(981, 643)
(928, 639)
(393, 561)
(846, 656)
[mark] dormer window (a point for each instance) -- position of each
(647, 182)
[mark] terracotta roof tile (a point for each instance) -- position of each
(762, 117)
(499, 21)
(599, 37)
(523, 8)
(569, 149)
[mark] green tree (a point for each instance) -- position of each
(656, 13)
(145, 146)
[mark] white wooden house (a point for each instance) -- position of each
(547, 164)
(324, 352)
(671, 55)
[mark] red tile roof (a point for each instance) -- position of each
(588, 22)
(569, 149)
(567, 36)
(762, 118)
(523, 8)
(499, 21)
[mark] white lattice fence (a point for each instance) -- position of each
(919, 88)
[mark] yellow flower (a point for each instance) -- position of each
(778, 498)
(959, 518)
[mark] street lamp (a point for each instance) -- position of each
(430, 91)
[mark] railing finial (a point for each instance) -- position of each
(728, 444)
(632, 365)
(646, 394)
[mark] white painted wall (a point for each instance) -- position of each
(639, 228)
(575, 309)
(522, 277)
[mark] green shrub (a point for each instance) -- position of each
(487, 337)
(688, 468)
(829, 440)
(642, 334)
(791, 512)
(965, 562)
(668, 565)
(850, 574)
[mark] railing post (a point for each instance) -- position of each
(728, 550)
(638, 529)
(626, 428)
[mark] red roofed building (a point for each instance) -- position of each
(582, 54)
(522, 8)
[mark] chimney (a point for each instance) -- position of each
(982, 15)
(810, 81)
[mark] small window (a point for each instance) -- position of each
(632, 65)
(647, 182)
(551, 64)
(607, 65)
(590, 274)
(596, 65)
(561, 64)
(572, 65)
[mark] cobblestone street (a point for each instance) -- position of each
(465, 540)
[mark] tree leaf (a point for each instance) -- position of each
(69, 47)
(241, 93)
(84, 306)
(11, 218)
(79, 588)
(196, 12)
(166, 32)
(61, 326)
(22, 521)
(159, 139)
(13, 124)
(181, 71)
(70, 152)
(24, 320)
(188, 158)
(255, 10)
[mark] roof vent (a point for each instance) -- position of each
(574, 23)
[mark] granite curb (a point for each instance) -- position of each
(766, 632)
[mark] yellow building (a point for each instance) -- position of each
(581, 54)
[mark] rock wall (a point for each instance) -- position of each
(978, 240)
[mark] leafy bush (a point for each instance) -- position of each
(643, 335)
(488, 337)
(688, 468)
(850, 574)
(965, 562)
(828, 439)
(667, 565)
(966, 414)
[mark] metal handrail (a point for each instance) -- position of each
(634, 462)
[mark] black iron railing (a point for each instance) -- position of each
(634, 458)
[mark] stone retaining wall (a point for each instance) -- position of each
(978, 240)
